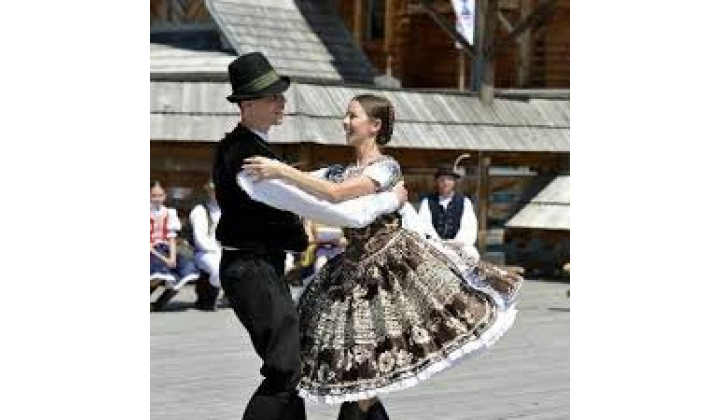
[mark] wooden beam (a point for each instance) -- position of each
(483, 184)
(389, 18)
(487, 87)
(446, 26)
(357, 21)
(525, 47)
(504, 22)
(539, 15)
(461, 69)
(478, 62)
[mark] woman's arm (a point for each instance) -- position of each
(171, 261)
(354, 213)
(264, 168)
(156, 253)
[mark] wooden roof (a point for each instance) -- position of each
(198, 111)
(197, 52)
(550, 209)
(302, 39)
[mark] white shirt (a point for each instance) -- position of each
(467, 234)
(262, 135)
(355, 213)
(204, 241)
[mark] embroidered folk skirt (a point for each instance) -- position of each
(394, 309)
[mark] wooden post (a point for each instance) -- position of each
(461, 69)
(478, 62)
(487, 82)
(483, 188)
(357, 21)
(525, 47)
(388, 36)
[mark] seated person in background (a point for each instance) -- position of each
(448, 214)
(204, 219)
(330, 241)
(166, 265)
(325, 242)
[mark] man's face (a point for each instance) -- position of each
(268, 110)
(446, 184)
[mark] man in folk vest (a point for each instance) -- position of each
(450, 214)
(255, 236)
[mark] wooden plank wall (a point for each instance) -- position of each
(433, 63)
(551, 51)
(178, 11)
(189, 164)
(541, 252)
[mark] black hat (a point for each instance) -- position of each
(252, 77)
(448, 170)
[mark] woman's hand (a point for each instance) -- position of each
(261, 168)
(170, 262)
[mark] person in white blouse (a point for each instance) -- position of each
(166, 264)
(204, 219)
(449, 215)
(367, 316)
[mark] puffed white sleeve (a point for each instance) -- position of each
(468, 231)
(425, 219)
(355, 213)
(200, 223)
(385, 172)
(412, 221)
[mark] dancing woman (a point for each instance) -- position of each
(395, 307)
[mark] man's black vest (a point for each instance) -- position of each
(446, 222)
(245, 223)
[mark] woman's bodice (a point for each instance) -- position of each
(386, 172)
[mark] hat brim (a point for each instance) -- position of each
(278, 87)
(454, 175)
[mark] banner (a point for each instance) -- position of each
(465, 19)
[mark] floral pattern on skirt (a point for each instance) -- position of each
(392, 310)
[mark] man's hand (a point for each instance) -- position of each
(400, 192)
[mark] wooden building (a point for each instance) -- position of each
(538, 236)
(404, 41)
(516, 143)
(305, 38)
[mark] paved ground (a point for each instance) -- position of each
(202, 367)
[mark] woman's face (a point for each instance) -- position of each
(358, 126)
(157, 196)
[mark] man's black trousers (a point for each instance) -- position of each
(253, 283)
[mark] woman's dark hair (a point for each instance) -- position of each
(380, 108)
(156, 183)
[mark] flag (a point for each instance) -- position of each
(465, 19)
